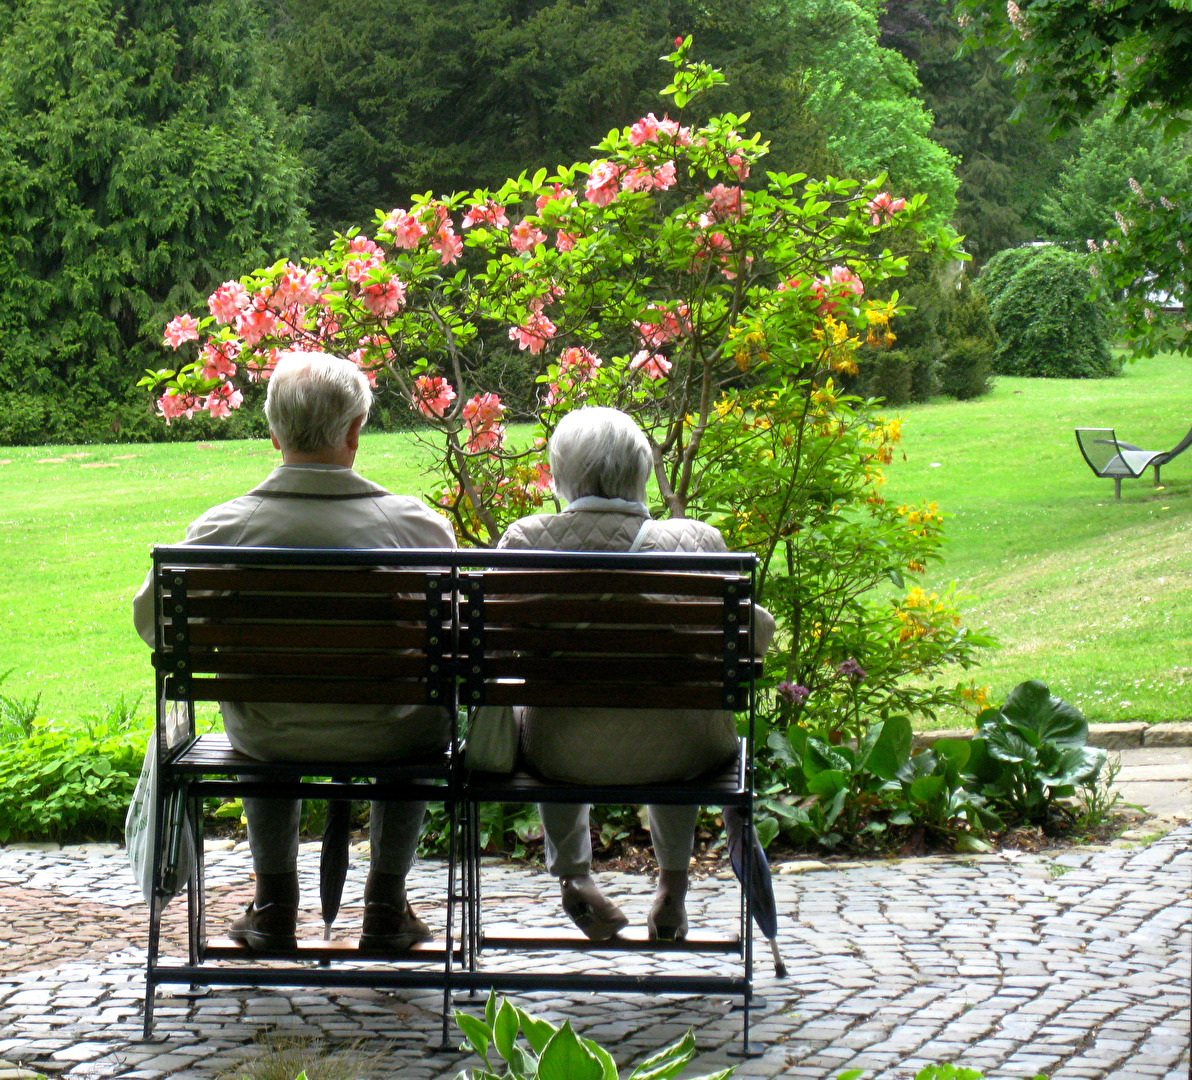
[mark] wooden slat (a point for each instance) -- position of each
(601, 695)
(307, 635)
(631, 939)
(312, 949)
(617, 611)
(661, 642)
(303, 691)
(612, 669)
(555, 582)
(350, 609)
(350, 664)
(363, 581)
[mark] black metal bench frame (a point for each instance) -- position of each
(193, 768)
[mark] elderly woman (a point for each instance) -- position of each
(600, 462)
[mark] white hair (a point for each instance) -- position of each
(313, 398)
(599, 451)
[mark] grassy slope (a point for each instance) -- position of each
(1089, 594)
(75, 532)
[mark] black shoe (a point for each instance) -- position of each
(271, 928)
(392, 928)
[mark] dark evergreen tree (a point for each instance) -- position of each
(142, 161)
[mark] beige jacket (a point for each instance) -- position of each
(320, 506)
(611, 745)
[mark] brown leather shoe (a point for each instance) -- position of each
(271, 928)
(392, 928)
(596, 916)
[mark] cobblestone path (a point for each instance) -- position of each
(1076, 966)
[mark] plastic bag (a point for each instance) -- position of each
(177, 855)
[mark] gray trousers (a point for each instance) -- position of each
(569, 841)
(393, 831)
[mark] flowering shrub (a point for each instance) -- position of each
(667, 279)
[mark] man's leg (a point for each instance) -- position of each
(672, 832)
(568, 844)
(389, 921)
(270, 921)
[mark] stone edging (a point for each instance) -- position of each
(1125, 736)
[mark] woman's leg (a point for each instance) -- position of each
(672, 832)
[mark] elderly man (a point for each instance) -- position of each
(316, 406)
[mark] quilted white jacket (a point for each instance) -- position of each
(611, 745)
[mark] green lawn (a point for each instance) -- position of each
(1089, 594)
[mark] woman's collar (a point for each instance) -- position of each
(607, 506)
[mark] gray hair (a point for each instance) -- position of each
(599, 451)
(313, 399)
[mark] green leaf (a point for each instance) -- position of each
(566, 1058)
(537, 1031)
(1032, 706)
(476, 1031)
(891, 750)
(667, 1062)
(505, 1029)
(604, 1057)
(966, 841)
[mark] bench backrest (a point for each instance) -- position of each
(1100, 449)
(629, 638)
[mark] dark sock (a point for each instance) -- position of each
(382, 888)
(277, 889)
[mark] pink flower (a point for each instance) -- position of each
(542, 477)
(534, 333)
(358, 267)
(655, 365)
(261, 366)
(524, 236)
(483, 414)
(565, 241)
(179, 329)
(362, 245)
(842, 275)
(384, 299)
(491, 212)
(256, 323)
(433, 396)
(681, 135)
(298, 287)
(364, 364)
(228, 301)
(883, 208)
(639, 179)
(407, 230)
(558, 194)
(739, 165)
(579, 362)
(726, 202)
(222, 400)
(712, 245)
(217, 358)
(645, 130)
(172, 404)
(447, 244)
(664, 176)
(671, 325)
(601, 188)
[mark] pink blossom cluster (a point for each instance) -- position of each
(649, 128)
(228, 301)
(433, 396)
(534, 333)
(482, 414)
(727, 203)
(405, 229)
(489, 212)
(576, 366)
(524, 236)
(653, 365)
(882, 208)
(298, 287)
(180, 329)
(219, 403)
(559, 194)
(671, 325)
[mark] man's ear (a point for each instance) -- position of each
(352, 439)
(273, 439)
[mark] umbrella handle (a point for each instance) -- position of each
(779, 966)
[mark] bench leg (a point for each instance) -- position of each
(1117, 487)
(1156, 468)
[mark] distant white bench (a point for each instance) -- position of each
(1108, 456)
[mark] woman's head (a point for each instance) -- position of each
(312, 400)
(598, 451)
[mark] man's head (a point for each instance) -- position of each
(599, 451)
(316, 405)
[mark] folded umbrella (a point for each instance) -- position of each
(761, 887)
(333, 860)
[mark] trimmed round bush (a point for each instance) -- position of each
(1046, 323)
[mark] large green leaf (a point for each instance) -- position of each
(821, 756)
(667, 1062)
(604, 1057)
(537, 1031)
(1030, 705)
(1009, 746)
(566, 1058)
(892, 748)
(505, 1029)
(827, 783)
(476, 1031)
